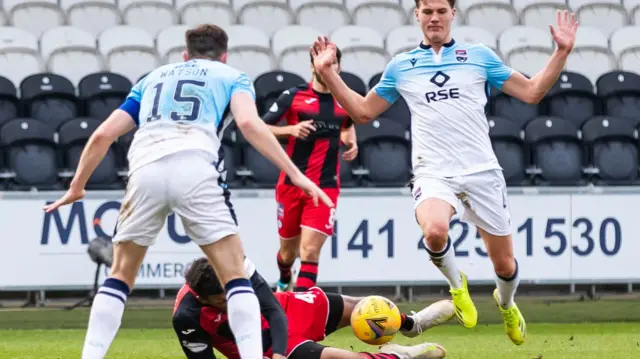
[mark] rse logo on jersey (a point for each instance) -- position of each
(440, 79)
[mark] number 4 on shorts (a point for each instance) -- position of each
(306, 296)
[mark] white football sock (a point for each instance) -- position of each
(106, 316)
(243, 310)
(445, 261)
(507, 288)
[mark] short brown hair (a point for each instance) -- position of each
(452, 3)
(338, 56)
(202, 279)
(206, 41)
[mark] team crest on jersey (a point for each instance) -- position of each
(461, 55)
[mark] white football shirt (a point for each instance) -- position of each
(446, 93)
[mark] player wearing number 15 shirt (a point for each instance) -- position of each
(174, 167)
(315, 127)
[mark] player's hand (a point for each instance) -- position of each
(304, 183)
(323, 52)
(302, 129)
(278, 356)
(350, 154)
(72, 195)
(565, 34)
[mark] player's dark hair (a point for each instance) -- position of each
(452, 3)
(338, 56)
(202, 279)
(206, 41)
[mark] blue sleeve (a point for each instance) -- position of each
(243, 84)
(132, 103)
(497, 71)
(386, 87)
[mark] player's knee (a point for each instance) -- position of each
(310, 252)
(505, 266)
(288, 253)
(436, 235)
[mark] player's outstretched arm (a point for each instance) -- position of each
(533, 90)
(360, 109)
(273, 313)
(194, 340)
(116, 125)
(258, 134)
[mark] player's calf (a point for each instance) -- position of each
(287, 254)
(311, 242)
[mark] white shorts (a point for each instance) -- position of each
(483, 196)
(185, 183)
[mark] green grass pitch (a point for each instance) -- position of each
(557, 329)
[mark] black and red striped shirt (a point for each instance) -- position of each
(317, 155)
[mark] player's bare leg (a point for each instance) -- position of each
(287, 254)
(311, 242)
(419, 351)
(500, 250)
(226, 256)
(108, 304)
(434, 215)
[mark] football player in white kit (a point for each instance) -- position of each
(444, 84)
(175, 166)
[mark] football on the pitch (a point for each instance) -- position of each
(375, 320)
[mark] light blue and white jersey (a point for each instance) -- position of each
(182, 107)
(447, 94)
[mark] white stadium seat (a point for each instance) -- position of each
(492, 15)
(380, 15)
(538, 13)
(591, 56)
(363, 52)
(19, 55)
(625, 45)
(526, 49)
(265, 15)
(129, 51)
(291, 45)
(606, 15)
(324, 15)
(71, 52)
(170, 43)
(93, 16)
(196, 12)
(151, 15)
(249, 50)
(35, 16)
(474, 35)
(633, 9)
(402, 39)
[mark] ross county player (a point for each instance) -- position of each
(174, 166)
(200, 320)
(444, 83)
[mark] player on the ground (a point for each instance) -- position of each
(316, 125)
(174, 167)
(443, 82)
(201, 324)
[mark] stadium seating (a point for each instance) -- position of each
(64, 62)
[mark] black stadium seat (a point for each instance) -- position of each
(49, 98)
(572, 98)
(505, 106)
(384, 148)
(122, 148)
(31, 154)
(619, 92)
(232, 155)
(507, 139)
(347, 179)
(9, 103)
(354, 82)
(271, 84)
(72, 137)
(102, 92)
(373, 81)
(556, 151)
(261, 172)
(612, 144)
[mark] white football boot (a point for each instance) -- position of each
(429, 317)
(419, 351)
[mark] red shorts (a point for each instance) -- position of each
(296, 210)
(307, 315)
